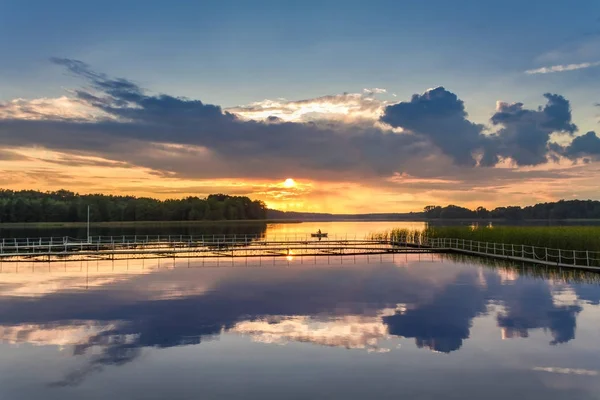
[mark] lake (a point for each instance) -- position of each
(270, 230)
(384, 327)
(348, 229)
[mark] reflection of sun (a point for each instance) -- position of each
(290, 255)
(289, 183)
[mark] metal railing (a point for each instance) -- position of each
(128, 239)
(286, 242)
(520, 252)
(186, 245)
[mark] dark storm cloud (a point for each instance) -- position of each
(134, 127)
(121, 89)
(558, 114)
(587, 145)
(127, 100)
(250, 148)
(440, 116)
(524, 135)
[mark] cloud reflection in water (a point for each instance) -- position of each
(360, 307)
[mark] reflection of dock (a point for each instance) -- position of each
(182, 246)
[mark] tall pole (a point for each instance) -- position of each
(88, 224)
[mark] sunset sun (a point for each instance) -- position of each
(289, 183)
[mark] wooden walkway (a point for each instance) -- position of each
(211, 246)
(580, 259)
(129, 247)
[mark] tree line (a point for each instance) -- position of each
(66, 206)
(563, 209)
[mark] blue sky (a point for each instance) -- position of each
(233, 53)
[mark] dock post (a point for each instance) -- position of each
(587, 257)
(88, 223)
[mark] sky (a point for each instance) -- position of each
(323, 106)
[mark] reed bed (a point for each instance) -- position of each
(555, 237)
(416, 236)
(565, 245)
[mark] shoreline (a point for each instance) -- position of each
(121, 224)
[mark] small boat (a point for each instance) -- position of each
(319, 235)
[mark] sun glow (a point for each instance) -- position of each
(289, 183)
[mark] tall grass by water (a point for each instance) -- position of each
(556, 237)
(401, 235)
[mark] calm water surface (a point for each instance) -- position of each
(340, 229)
(414, 327)
(271, 230)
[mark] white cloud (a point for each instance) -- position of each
(562, 68)
(60, 108)
(346, 107)
(79, 332)
(350, 332)
(373, 91)
(567, 371)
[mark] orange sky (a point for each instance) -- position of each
(44, 170)
(333, 154)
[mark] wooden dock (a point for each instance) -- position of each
(128, 247)
(580, 259)
(218, 246)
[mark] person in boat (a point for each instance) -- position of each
(319, 232)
